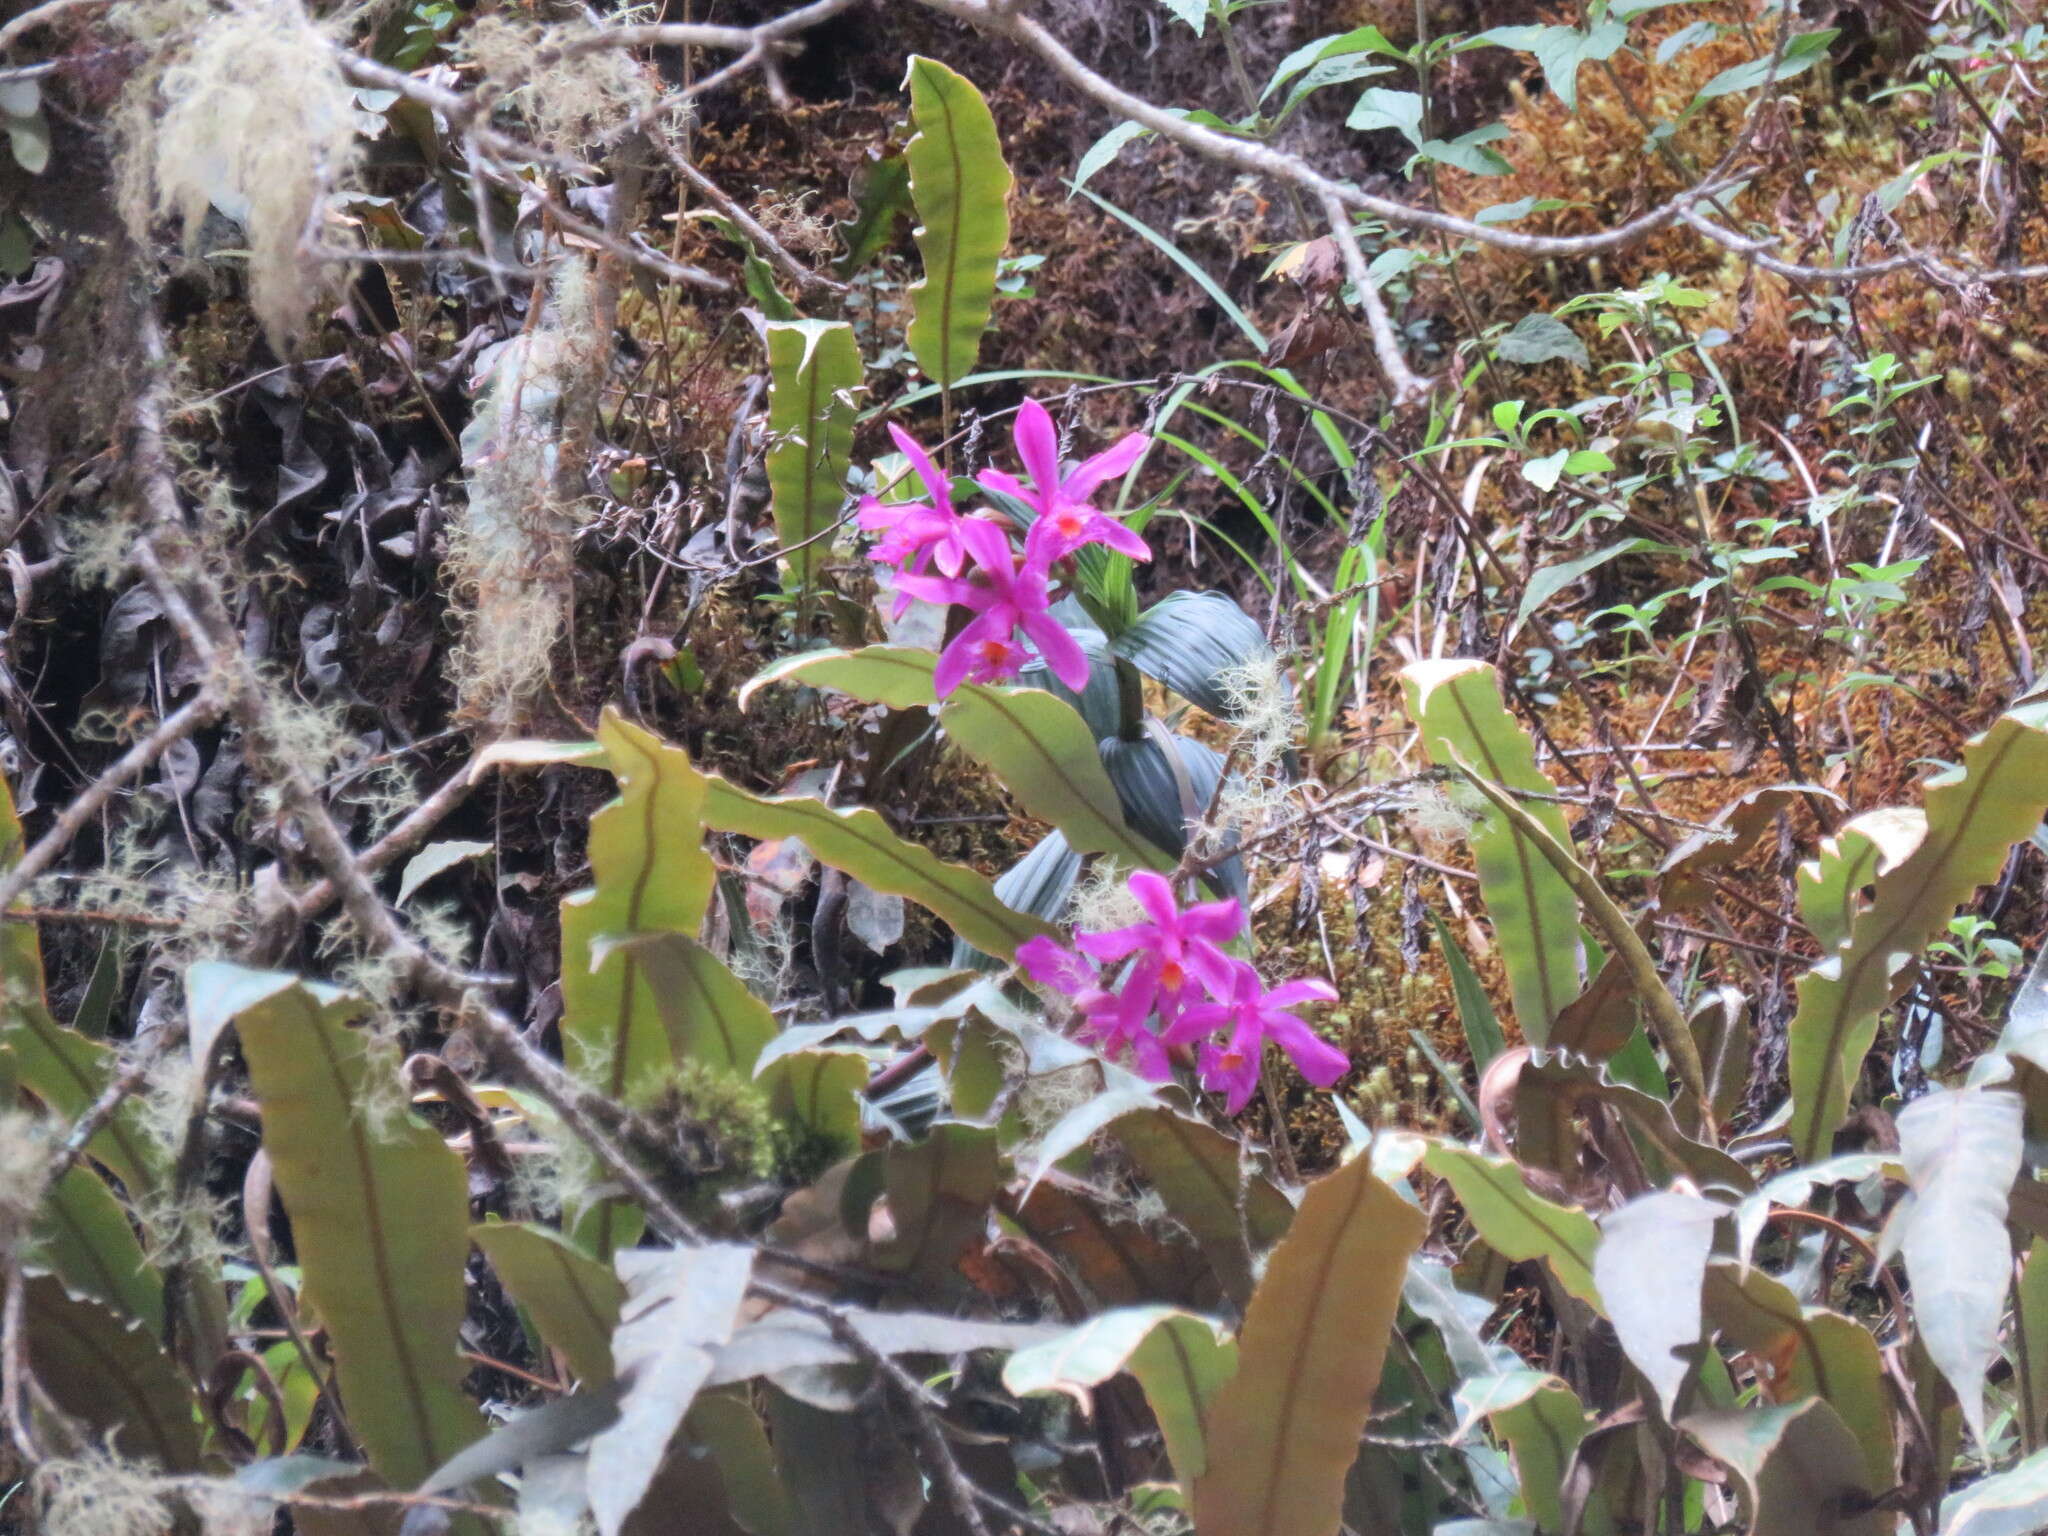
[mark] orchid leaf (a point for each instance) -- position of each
(860, 843)
(650, 874)
(1802, 1351)
(1041, 750)
(1962, 1149)
(573, 1300)
(681, 1307)
(1517, 1222)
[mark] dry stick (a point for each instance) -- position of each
(196, 611)
(194, 715)
(698, 35)
(1407, 387)
(402, 838)
(752, 227)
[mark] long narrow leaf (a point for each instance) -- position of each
(816, 368)
(1975, 813)
(1457, 706)
(379, 1211)
(1308, 1361)
(961, 188)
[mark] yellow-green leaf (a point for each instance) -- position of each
(83, 1235)
(816, 368)
(1517, 1222)
(960, 187)
(1038, 745)
(1308, 1361)
(859, 842)
(1457, 706)
(1975, 813)
(379, 1207)
(1230, 1208)
(573, 1300)
(650, 875)
(1180, 1360)
(107, 1372)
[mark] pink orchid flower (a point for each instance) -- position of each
(1107, 1020)
(1177, 951)
(1253, 1016)
(1065, 519)
(916, 534)
(1007, 597)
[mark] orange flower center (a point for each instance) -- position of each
(1068, 523)
(994, 652)
(1172, 977)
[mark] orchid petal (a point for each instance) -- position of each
(1113, 462)
(1038, 445)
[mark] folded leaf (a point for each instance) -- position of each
(1799, 1468)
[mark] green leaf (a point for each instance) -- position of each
(2030, 1344)
(1962, 1149)
(1457, 705)
(1649, 1267)
(434, 859)
(1830, 886)
(1197, 643)
(817, 369)
(1517, 1222)
(961, 187)
(1542, 1421)
(1975, 813)
(1180, 1361)
(1553, 579)
(1801, 54)
(1475, 1009)
(881, 196)
(1308, 1361)
(1103, 152)
(1232, 1211)
(573, 1300)
(860, 843)
(108, 1373)
(681, 1306)
(1561, 50)
(1037, 884)
(708, 1012)
(379, 1212)
(1541, 338)
(1799, 1467)
(1194, 12)
(1379, 107)
(82, 1234)
(1165, 783)
(650, 874)
(1041, 750)
(1807, 1352)
(817, 1092)
(61, 1067)
(1368, 40)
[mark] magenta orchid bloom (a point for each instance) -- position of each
(1007, 597)
(1108, 1022)
(1177, 951)
(916, 534)
(1253, 1016)
(1065, 519)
